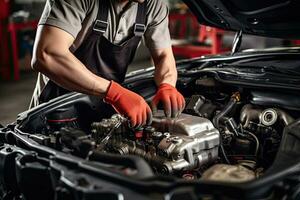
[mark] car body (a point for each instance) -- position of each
(238, 138)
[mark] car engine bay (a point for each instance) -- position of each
(226, 133)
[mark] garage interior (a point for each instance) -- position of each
(208, 109)
(18, 21)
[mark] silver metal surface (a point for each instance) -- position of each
(184, 125)
(229, 173)
(194, 141)
(109, 126)
(184, 143)
(269, 117)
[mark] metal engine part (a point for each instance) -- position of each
(229, 173)
(194, 141)
(184, 125)
(194, 104)
(169, 145)
(200, 106)
(267, 117)
(103, 128)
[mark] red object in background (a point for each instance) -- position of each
(4, 47)
(200, 32)
(296, 42)
(13, 28)
(8, 32)
(4, 9)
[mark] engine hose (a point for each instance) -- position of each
(256, 141)
(216, 120)
(142, 167)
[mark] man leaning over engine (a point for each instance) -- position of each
(87, 45)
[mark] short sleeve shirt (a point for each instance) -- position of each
(77, 17)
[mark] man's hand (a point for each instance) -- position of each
(166, 77)
(171, 99)
(129, 104)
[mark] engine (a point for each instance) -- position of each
(223, 139)
(169, 145)
(224, 133)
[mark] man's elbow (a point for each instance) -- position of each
(35, 64)
(40, 60)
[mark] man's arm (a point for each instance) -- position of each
(166, 77)
(165, 66)
(52, 57)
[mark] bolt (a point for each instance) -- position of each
(167, 135)
(176, 139)
(9, 150)
(165, 170)
(157, 134)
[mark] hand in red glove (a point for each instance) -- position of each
(128, 104)
(171, 99)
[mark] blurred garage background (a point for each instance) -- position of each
(18, 21)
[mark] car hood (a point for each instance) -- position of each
(276, 18)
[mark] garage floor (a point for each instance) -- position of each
(15, 96)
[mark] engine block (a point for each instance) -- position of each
(169, 145)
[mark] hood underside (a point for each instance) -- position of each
(271, 18)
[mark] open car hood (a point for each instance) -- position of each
(271, 18)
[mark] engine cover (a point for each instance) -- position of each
(169, 145)
(193, 141)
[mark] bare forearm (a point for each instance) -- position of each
(165, 68)
(52, 57)
(166, 78)
(67, 71)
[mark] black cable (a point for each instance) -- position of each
(216, 122)
(224, 112)
(223, 151)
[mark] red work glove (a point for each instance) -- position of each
(171, 99)
(128, 104)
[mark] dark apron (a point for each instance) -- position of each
(99, 55)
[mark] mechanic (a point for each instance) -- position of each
(87, 45)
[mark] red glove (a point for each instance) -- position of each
(129, 104)
(172, 100)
